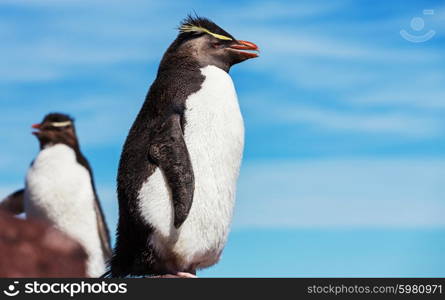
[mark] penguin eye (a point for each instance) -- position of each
(216, 45)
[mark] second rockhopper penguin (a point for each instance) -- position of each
(60, 190)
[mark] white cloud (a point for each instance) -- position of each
(342, 193)
(267, 11)
(417, 90)
(268, 109)
(357, 66)
(361, 64)
(75, 36)
(383, 123)
(70, 3)
(298, 43)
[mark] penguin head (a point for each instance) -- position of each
(209, 44)
(56, 128)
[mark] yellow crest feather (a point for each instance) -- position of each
(61, 124)
(192, 28)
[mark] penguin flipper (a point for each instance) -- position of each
(102, 228)
(103, 231)
(169, 151)
(14, 203)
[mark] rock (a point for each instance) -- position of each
(30, 248)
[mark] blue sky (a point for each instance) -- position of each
(345, 120)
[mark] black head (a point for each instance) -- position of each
(209, 44)
(56, 128)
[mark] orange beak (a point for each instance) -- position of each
(37, 127)
(245, 45)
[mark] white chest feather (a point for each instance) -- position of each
(59, 190)
(214, 135)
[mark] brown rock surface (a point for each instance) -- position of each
(31, 248)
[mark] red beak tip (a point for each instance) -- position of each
(250, 45)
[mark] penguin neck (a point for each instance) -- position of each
(175, 62)
(73, 144)
(177, 75)
(183, 59)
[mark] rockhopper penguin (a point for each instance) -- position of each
(60, 190)
(179, 166)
